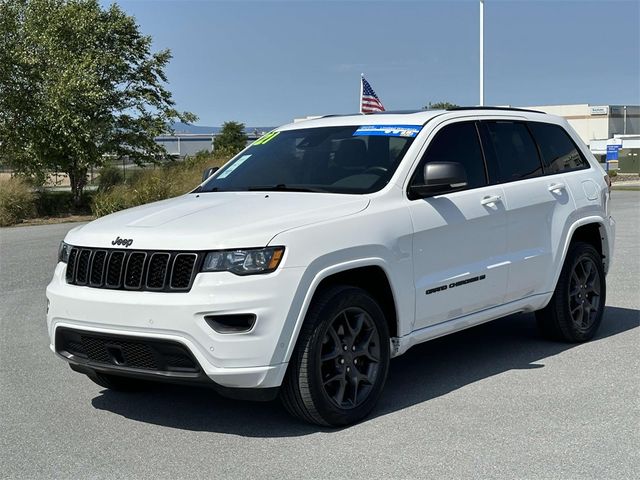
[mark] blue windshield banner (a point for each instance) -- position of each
(388, 130)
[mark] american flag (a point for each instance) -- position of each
(369, 103)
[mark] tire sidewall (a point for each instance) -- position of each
(341, 299)
(576, 253)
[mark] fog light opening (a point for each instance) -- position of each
(236, 323)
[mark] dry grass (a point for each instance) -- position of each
(155, 184)
(17, 201)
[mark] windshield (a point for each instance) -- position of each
(345, 159)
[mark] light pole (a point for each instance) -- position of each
(481, 53)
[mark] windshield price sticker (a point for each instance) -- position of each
(266, 138)
(388, 130)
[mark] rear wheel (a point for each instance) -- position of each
(339, 367)
(575, 310)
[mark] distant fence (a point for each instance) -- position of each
(178, 147)
(59, 179)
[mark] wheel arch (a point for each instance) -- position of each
(372, 279)
(590, 233)
(362, 273)
(592, 230)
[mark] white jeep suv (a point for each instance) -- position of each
(329, 246)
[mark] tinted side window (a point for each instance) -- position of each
(513, 150)
(456, 143)
(559, 153)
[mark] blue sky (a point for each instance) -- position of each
(264, 63)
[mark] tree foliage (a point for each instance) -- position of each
(79, 83)
(440, 106)
(231, 138)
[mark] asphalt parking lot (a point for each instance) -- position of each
(494, 401)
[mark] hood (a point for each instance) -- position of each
(219, 220)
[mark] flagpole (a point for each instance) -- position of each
(361, 92)
(481, 53)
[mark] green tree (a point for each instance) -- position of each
(78, 83)
(231, 138)
(440, 106)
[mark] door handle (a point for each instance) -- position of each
(556, 187)
(491, 200)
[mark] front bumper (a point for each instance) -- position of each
(240, 360)
(143, 359)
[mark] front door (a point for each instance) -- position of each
(459, 240)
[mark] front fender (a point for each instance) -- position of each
(324, 267)
(381, 236)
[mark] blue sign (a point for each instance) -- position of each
(612, 152)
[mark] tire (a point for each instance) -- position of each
(117, 383)
(575, 311)
(340, 364)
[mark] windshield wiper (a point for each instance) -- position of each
(283, 188)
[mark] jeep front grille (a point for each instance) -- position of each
(132, 270)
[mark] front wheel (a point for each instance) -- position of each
(575, 310)
(338, 369)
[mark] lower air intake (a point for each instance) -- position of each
(125, 352)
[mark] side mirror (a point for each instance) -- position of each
(440, 177)
(208, 172)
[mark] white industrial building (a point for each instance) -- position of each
(180, 145)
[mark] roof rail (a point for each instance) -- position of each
(338, 115)
(495, 108)
(421, 110)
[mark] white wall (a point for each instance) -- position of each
(587, 125)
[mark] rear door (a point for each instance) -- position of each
(538, 204)
(459, 240)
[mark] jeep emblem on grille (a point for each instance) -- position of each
(122, 241)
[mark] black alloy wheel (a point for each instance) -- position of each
(575, 310)
(350, 358)
(339, 366)
(584, 293)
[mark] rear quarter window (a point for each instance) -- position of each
(512, 152)
(559, 152)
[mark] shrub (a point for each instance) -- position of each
(55, 203)
(117, 198)
(133, 175)
(17, 201)
(109, 176)
(150, 185)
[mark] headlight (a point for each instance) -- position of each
(243, 262)
(63, 252)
